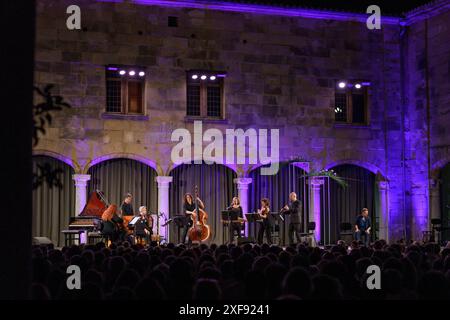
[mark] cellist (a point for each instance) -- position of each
(189, 208)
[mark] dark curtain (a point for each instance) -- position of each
(445, 201)
(118, 177)
(277, 188)
(216, 189)
(346, 203)
(52, 207)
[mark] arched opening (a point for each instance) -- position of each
(216, 189)
(52, 205)
(346, 202)
(445, 200)
(276, 188)
(117, 177)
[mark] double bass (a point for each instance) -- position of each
(200, 230)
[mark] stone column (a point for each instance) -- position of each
(80, 197)
(80, 191)
(383, 210)
(435, 200)
(314, 206)
(242, 186)
(163, 203)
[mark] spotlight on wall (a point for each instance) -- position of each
(358, 86)
(132, 73)
(212, 78)
(141, 73)
(203, 77)
(122, 72)
(342, 84)
(194, 76)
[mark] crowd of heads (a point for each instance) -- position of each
(246, 272)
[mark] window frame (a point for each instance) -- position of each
(203, 92)
(124, 82)
(349, 91)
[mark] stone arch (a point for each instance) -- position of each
(174, 166)
(366, 165)
(437, 167)
(131, 156)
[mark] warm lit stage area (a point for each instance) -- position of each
(227, 151)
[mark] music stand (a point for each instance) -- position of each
(180, 221)
(253, 217)
(228, 216)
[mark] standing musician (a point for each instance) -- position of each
(126, 208)
(266, 224)
(143, 227)
(294, 209)
(189, 207)
(236, 214)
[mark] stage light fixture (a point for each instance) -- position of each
(141, 73)
(342, 84)
(122, 72)
(212, 78)
(132, 73)
(203, 77)
(358, 86)
(194, 76)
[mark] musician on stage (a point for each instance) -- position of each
(363, 226)
(189, 207)
(237, 213)
(143, 227)
(110, 224)
(126, 208)
(266, 224)
(294, 209)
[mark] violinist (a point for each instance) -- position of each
(189, 208)
(266, 224)
(143, 227)
(236, 215)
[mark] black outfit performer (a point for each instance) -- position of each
(188, 220)
(236, 212)
(139, 229)
(109, 230)
(266, 227)
(127, 209)
(295, 223)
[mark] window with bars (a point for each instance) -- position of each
(125, 87)
(205, 94)
(351, 103)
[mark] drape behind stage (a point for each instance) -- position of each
(52, 207)
(216, 189)
(117, 177)
(277, 188)
(346, 203)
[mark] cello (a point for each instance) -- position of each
(200, 230)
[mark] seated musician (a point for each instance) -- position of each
(235, 215)
(189, 208)
(126, 208)
(266, 225)
(110, 221)
(143, 227)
